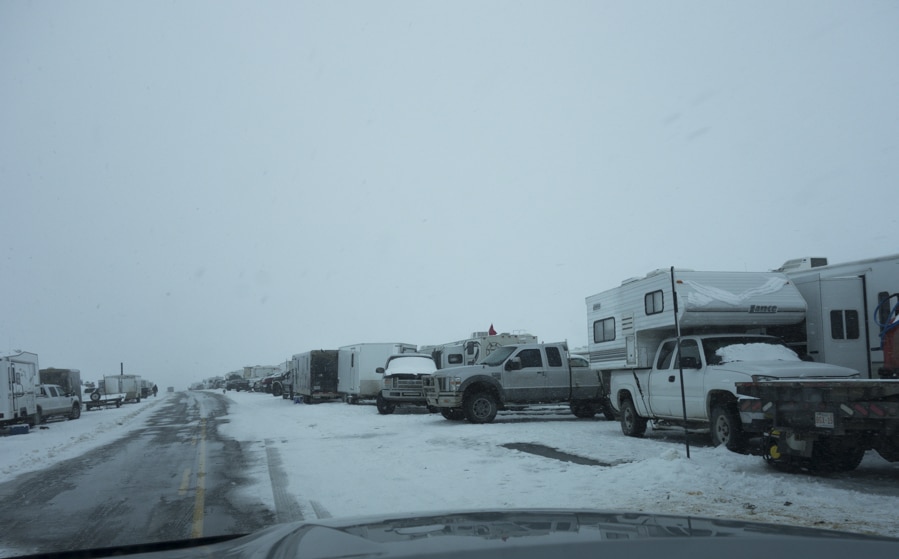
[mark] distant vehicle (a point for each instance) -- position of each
(129, 385)
(96, 398)
(18, 389)
(356, 365)
(313, 375)
(237, 384)
(403, 381)
(53, 401)
(474, 348)
(68, 379)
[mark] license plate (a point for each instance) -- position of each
(824, 419)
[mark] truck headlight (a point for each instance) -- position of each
(763, 378)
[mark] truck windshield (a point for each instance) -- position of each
(747, 348)
(498, 356)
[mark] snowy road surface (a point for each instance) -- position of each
(270, 460)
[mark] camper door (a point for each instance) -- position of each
(844, 339)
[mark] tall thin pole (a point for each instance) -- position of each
(683, 395)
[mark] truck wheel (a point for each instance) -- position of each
(480, 407)
(453, 414)
(384, 407)
(632, 424)
(583, 410)
(727, 429)
(76, 411)
(276, 390)
(827, 458)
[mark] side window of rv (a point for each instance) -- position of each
(604, 330)
(530, 358)
(665, 355)
(553, 357)
(454, 358)
(654, 302)
(844, 325)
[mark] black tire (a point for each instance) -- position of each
(632, 424)
(480, 407)
(277, 390)
(76, 411)
(452, 414)
(583, 410)
(827, 457)
(726, 428)
(95, 396)
(384, 407)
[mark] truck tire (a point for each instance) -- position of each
(726, 429)
(452, 414)
(76, 411)
(277, 390)
(827, 457)
(632, 424)
(583, 410)
(384, 407)
(480, 407)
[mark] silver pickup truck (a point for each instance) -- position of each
(53, 401)
(516, 375)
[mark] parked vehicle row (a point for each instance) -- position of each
(740, 354)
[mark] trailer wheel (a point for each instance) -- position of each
(453, 414)
(827, 457)
(632, 424)
(384, 407)
(726, 428)
(480, 407)
(95, 396)
(76, 411)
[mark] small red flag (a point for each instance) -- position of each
(491, 332)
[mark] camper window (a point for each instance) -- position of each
(844, 325)
(654, 302)
(604, 330)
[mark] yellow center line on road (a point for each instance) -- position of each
(185, 482)
(197, 530)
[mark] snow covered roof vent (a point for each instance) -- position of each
(806, 263)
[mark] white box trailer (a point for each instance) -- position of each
(18, 388)
(844, 309)
(356, 364)
(628, 322)
(129, 385)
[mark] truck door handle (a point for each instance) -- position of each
(671, 378)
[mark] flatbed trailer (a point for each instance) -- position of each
(97, 400)
(824, 425)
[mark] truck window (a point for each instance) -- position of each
(665, 355)
(530, 358)
(553, 357)
(689, 354)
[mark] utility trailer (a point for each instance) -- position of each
(313, 376)
(824, 425)
(18, 389)
(129, 385)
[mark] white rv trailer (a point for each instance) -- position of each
(628, 322)
(129, 385)
(472, 349)
(356, 364)
(840, 326)
(18, 386)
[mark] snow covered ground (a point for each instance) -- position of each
(347, 460)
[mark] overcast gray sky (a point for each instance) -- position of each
(191, 187)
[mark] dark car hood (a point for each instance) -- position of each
(539, 533)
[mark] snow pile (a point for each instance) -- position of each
(756, 352)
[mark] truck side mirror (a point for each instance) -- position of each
(513, 364)
(380, 370)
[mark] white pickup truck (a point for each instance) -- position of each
(53, 401)
(711, 365)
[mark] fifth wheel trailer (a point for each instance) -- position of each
(844, 310)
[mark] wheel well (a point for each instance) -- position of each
(484, 387)
(622, 396)
(720, 397)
